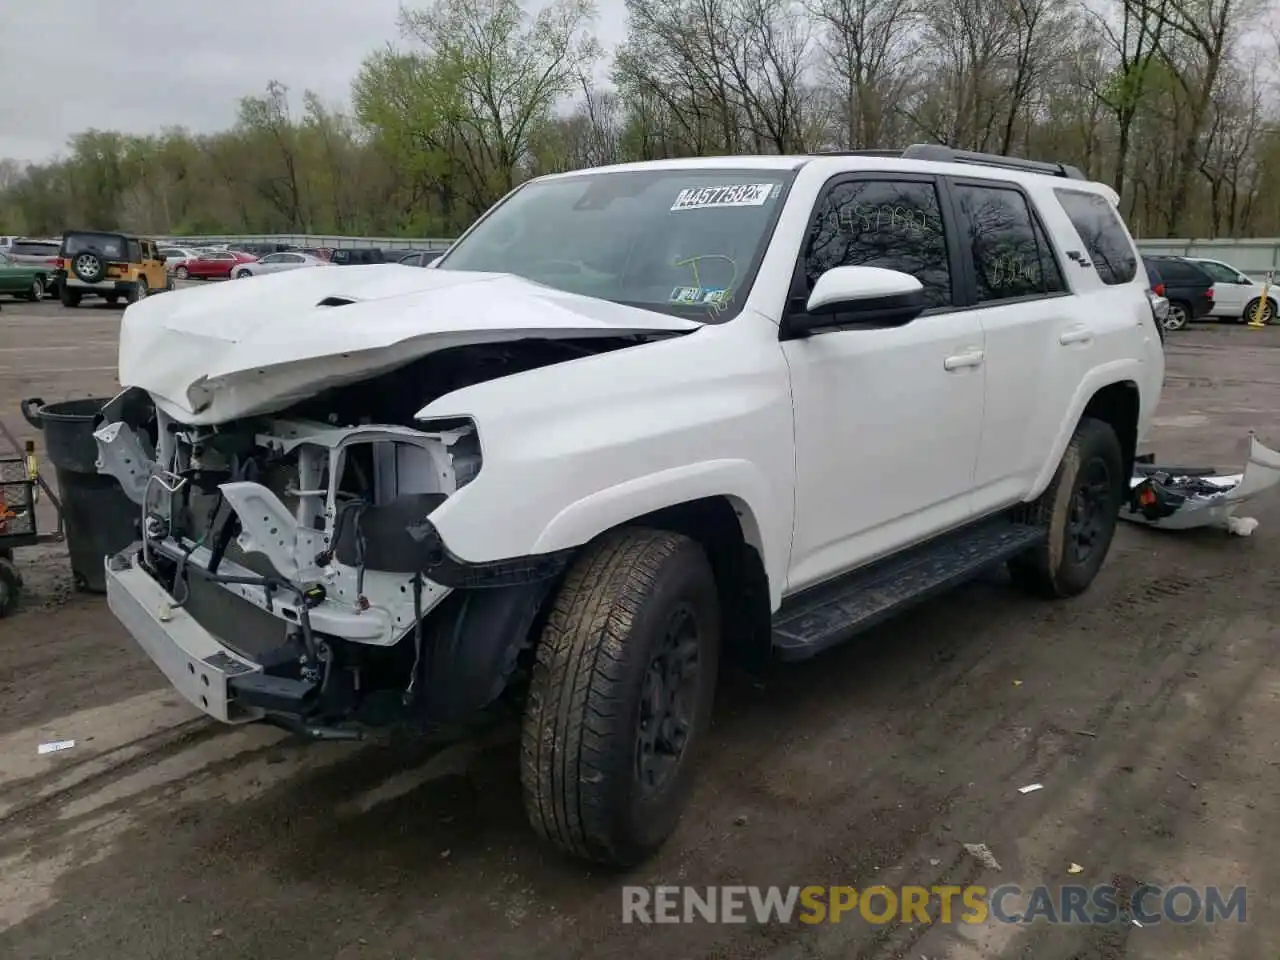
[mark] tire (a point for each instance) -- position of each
(1091, 470)
(111, 298)
(36, 293)
(88, 267)
(138, 291)
(68, 297)
(1179, 315)
(181, 273)
(585, 735)
(1268, 311)
(10, 585)
(242, 274)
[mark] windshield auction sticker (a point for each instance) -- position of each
(737, 195)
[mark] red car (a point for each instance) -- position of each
(213, 266)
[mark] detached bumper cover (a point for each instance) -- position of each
(195, 661)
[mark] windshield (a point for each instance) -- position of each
(684, 242)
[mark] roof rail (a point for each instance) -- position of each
(943, 154)
(896, 154)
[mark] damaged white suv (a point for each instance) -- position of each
(635, 419)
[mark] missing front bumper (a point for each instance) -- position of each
(198, 665)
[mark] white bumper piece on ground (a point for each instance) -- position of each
(195, 662)
(1187, 500)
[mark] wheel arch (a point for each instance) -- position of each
(1110, 394)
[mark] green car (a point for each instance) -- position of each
(20, 280)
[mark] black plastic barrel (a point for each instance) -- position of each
(98, 518)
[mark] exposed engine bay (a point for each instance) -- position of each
(299, 538)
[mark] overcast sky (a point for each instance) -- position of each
(141, 66)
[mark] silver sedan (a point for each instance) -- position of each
(276, 263)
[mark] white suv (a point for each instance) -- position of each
(634, 419)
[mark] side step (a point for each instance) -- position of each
(832, 612)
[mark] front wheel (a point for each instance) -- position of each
(1179, 316)
(1268, 311)
(621, 695)
(1080, 510)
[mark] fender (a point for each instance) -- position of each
(1103, 375)
(740, 481)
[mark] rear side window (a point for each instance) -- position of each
(1011, 257)
(1181, 272)
(1102, 233)
(34, 249)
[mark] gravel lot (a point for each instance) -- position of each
(1146, 708)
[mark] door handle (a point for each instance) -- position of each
(1076, 335)
(971, 359)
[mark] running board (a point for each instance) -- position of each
(833, 612)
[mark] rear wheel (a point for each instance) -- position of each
(138, 291)
(68, 297)
(1080, 510)
(621, 695)
(1179, 316)
(111, 298)
(181, 273)
(244, 274)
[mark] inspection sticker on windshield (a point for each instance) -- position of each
(712, 296)
(737, 195)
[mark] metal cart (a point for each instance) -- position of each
(20, 489)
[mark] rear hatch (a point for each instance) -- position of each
(115, 251)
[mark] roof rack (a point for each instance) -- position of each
(943, 154)
(896, 154)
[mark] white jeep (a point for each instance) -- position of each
(635, 419)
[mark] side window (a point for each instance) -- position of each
(1220, 273)
(272, 258)
(134, 251)
(1102, 233)
(894, 224)
(1010, 256)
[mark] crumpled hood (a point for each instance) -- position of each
(242, 347)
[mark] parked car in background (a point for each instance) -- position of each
(277, 263)
(258, 249)
(1187, 287)
(23, 280)
(421, 258)
(347, 256)
(108, 265)
(1235, 295)
(175, 257)
(30, 252)
(324, 253)
(214, 266)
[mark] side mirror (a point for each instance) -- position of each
(870, 295)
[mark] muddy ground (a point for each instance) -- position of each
(1148, 708)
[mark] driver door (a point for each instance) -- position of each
(887, 420)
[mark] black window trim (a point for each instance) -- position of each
(1133, 247)
(797, 292)
(971, 280)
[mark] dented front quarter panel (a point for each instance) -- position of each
(572, 450)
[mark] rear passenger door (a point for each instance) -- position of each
(887, 419)
(1034, 341)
